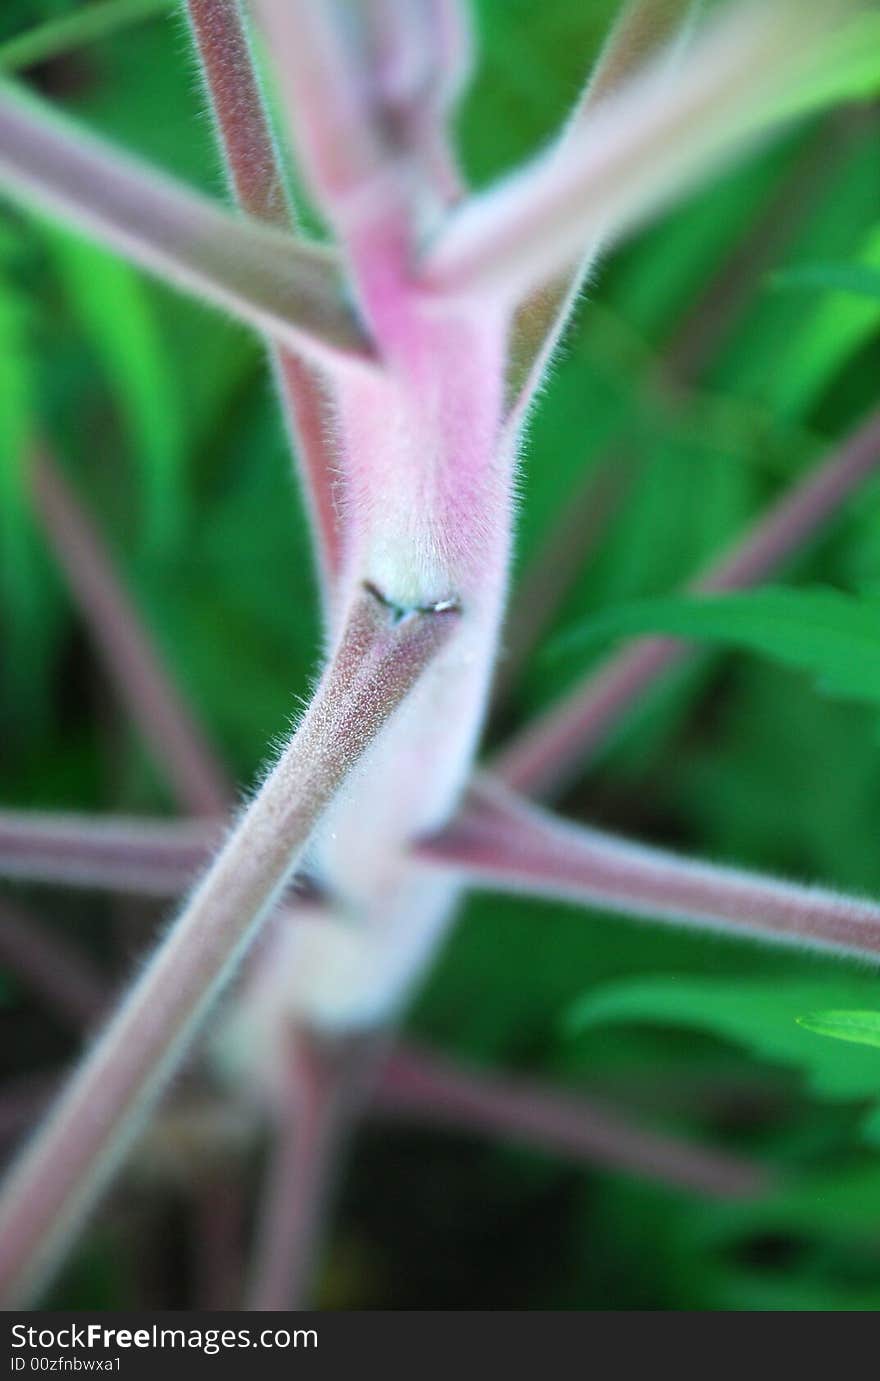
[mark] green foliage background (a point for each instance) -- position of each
(163, 416)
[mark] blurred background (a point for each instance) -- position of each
(694, 387)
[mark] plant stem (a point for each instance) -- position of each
(257, 178)
(155, 858)
(55, 969)
(542, 757)
(287, 288)
(503, 843)
(164, 721)
(318, 1100)
(376, 663)
(421, 1085)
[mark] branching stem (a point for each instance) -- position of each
(375, 664)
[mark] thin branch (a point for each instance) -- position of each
(418, 57)
(133, 664)
(707, 324)
(22, 1101)
(694, 343)
(639, 149)
(244, 133)
(376, 663)
(288, 289)
(218, 1210)
(573, 539)
(501, 842)
(320, 1093)
(367, 91)
(327, 100)
(257, 179)
(137, 857)
(543, 756)
(56, 970)
(415, 1084)
(644, 29)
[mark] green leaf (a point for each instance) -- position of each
(832, 635)
(840, 326)
(760, 1015)
(114, 307)
(862, 1028)
(850, 65)
(16, 428)
(860, 280)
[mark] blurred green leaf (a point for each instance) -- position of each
(114, 308)
(18, 363)
(834, 636)
(762, 1016)
(861, 280)
(862, 1028)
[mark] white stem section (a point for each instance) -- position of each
(429, 526)
(374, 666)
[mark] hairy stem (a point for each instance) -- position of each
(375, 665)
(286, 288)
(635, 151)
(257, 180)
(644, 28)
(503, 843)
(548, 752)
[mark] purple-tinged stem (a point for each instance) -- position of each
(257, 179)
(644, 29)
(572, 540)
(22, 1101)
(244, 132)
(635, 151)
(319, 1096)
(376, 663)
(503, 843)
(164, 721)
(288, 289)
(218, 1211)
(548, 752)
(415, 1084)
(53, 968)
(695, 341)
(707, 325)
(140, 857)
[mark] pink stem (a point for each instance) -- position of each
(141, 857)
(55, 969)
(287, 288)
(643, 30)
(257, 179)
(129, 657)
(376, 664)
(317, 1103)
(573, 540)
(501, 842)
(22, 1101)
(420, 1085)
(543, 757)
